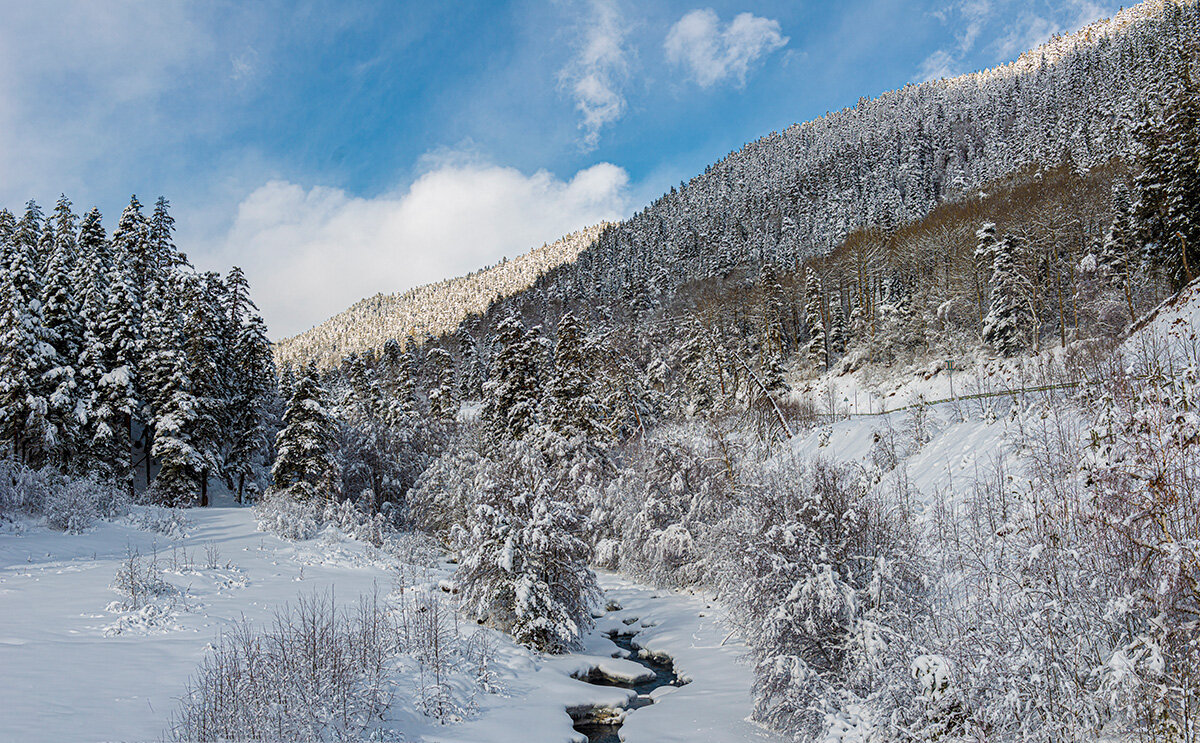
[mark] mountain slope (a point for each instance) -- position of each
(431, 309)
(799, 193)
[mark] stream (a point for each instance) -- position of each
(601, 725)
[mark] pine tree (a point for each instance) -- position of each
(837, 328)
(115, 400)
(512, 392)
(470, 377)
(443, 403)
(1009, 321)
(160, 231)
(523, 567)
(305, 467)
(814, 320)
(91, 280)
(1168, 187)
(131, 243)
(572, 408)
(1117, 254)
(27, 358)
(63, 318)
(255, 390)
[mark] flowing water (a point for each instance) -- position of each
(599, 728)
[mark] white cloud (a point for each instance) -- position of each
(713, 54)
(310, 253)
(598, 71)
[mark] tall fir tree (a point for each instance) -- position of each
(62, 314)
(814, 320)
(27, 356)
(443, 398)
(571, 406)
(1009, 321)
(512, 392)
(305, 466)
(1168, 186)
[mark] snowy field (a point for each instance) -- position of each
(82, 667)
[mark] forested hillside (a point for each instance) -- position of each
(429, 310)
(907, 393)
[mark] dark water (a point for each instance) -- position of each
(664, 675)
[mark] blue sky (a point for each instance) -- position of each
(340, 149)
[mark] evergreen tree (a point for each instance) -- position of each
(305, 467)
(512, 392)
(1117, 256)
(572, 408)
(27, 358)
(1168, 187)
(63, 318)
(91, 280)
(1009, 320)
(115, 400)
(443, 404)
(256, 388)
(470, 376)
(837, 328)
(524, 566)
(818, 349)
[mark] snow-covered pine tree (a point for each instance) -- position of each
(91, 280)
(251, 398)
(512, 392)
(696, 372)
(571, 407)
(26, 355)
(116, 401)
(1117, 260)
(443, 403)
(305, 467)
(814, 319)
(1009, 321)
(131, 243)
(62, 314)
(837, 327)
(1168, 187)
(523, 566)
(160, 235)
(470, 374)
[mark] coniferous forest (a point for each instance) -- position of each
(902, 400)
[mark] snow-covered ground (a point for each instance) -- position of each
(78, 667)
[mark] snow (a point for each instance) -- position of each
(92, 672)
(95, 667)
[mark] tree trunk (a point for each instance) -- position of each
(204, 489)
(241, 487)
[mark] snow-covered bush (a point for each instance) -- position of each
(524, 566)
(1143, 470)
(298, 519)
(70, 504)
(140, 580)
(821, 578)
(290, 518)
(169, 522)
